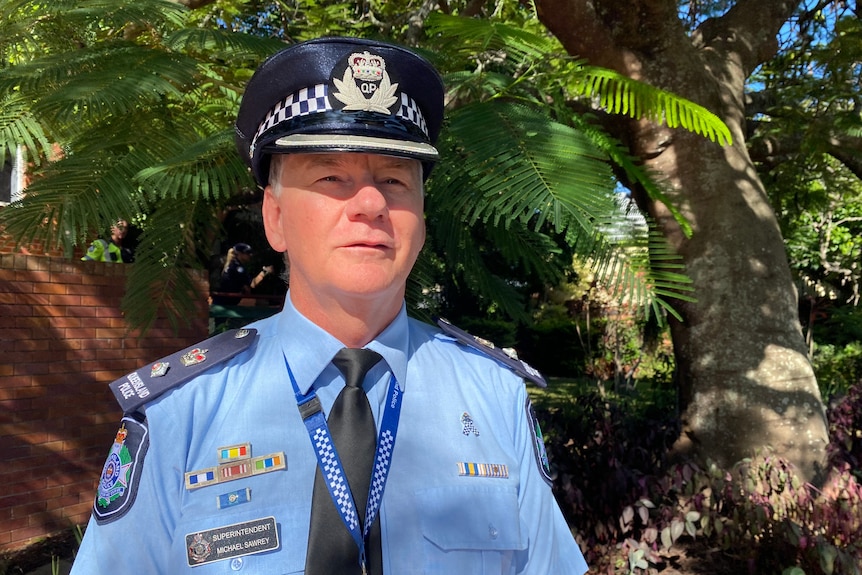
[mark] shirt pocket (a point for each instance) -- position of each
(470, 529)
(288, 558)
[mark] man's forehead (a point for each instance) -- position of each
(335, 159)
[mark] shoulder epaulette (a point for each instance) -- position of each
(146, 384)
(520, 367)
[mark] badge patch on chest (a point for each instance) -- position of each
(237, 540)
(121, 473)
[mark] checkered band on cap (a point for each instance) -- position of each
(314, 100)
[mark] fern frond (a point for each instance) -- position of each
(481, 35)
(18, 127)
(218, 43)
(209, 168)
(515, 162)
(619, 94)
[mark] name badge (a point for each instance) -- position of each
(235, 540)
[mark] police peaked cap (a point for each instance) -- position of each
(340, 95)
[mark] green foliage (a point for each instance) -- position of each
(619, 492)
(837, 367)
(619, 94)
(140, 96)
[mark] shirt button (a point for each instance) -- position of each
(492, 531)
(236, 563)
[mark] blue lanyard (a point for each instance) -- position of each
(330, 463)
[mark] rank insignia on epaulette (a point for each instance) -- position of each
(194, 357)
(159, 369)
(140, 387)
(505, 356)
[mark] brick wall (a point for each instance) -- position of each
(62, 340)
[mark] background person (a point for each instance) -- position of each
(267, 450)
(235, 277)
(112, 250)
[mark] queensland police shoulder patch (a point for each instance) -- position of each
(539, 445)
(118, 484)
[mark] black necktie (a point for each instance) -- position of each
(331, 549)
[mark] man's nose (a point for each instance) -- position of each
(368, 201)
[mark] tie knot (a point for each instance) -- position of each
(354, 363)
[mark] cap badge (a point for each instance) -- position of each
(361, 77)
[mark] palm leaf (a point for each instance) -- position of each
(619, 94)
(209, 168)
(507, 155)
(18, 127)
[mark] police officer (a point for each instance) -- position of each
(251, 453)
(112, 251)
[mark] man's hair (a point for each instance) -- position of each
(275, 173)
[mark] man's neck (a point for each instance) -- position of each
(354, 321)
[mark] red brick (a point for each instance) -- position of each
(26, 533)
(112, 311)
(17, 489)
(31, 345)
(65, 366)
(33, 367)
(72, 279)
(28, 508)
(49, 288)
(83, 312)
(65, 300)
(35, 299)
(63, 501)
(15, 310)
(15, 405)
(36, 264)
(17, 523)
(12, 452)
(82, 333)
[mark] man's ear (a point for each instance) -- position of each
(272, 220)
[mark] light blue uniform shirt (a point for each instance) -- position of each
(459, 406)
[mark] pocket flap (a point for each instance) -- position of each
(480, 517)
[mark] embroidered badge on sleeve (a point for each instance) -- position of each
(121, 474)
(539, 445)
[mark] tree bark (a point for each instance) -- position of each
(746, 382)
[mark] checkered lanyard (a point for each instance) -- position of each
(331, 466)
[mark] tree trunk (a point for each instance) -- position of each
(746, 383)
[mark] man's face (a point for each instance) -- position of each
(352, 224)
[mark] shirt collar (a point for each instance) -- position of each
(309, 349)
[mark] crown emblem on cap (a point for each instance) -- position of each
(360, 77)
(367, 66)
